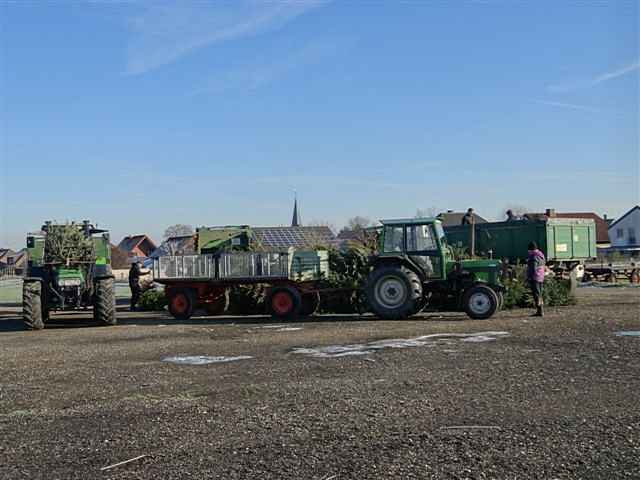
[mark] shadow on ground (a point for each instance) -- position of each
(11, 322)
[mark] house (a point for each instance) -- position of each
(451, 218)
(17, 261)
(625, 232)
(602, 227)
(5, 253)
(140, 246)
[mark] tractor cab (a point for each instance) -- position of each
(419, 241)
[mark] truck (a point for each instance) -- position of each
(415, 269)
(68, 268)
(567, 243)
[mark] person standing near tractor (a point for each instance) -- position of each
(535, 275)
(134, 282)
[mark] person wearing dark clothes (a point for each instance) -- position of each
(468, 217)
(535, 276)
(510, 216)
(134, 283)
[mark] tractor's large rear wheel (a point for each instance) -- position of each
(32, 305)
(394, 292)
(480, 302)
(104, 302)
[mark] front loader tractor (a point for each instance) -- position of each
(69, 268)
(415, 269)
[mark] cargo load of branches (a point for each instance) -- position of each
(68, 244)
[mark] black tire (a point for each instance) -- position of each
(32, 305)
(394, 292)
(284, 302)
(310, 304)
(104, 302)
(480, 302)
(182, 303)
(219, 306)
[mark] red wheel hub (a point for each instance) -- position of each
(282, 303)
(179, 303)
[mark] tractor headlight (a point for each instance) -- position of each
(69, 282)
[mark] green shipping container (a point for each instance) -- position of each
(563, 240)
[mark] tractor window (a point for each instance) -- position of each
(420, 238)
(393, 239)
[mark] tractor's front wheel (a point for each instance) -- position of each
(480, 302)
(32, 305)
(104, 302)
(394, 292)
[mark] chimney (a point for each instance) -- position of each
(550, 212)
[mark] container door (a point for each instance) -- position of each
(563, 242)
(580, 241)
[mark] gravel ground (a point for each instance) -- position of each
(551, 398)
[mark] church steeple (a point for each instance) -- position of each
(295, 221)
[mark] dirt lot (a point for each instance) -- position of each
(552, 398)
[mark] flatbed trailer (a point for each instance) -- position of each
(612, 272)
(203, 281)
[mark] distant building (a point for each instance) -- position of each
(295, 221)
(140, 246)
(625, 232)
(451, 218)
(5, 253)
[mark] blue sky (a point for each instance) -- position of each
(139, 115)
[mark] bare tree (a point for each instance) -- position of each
(178, 230)
(358, 223)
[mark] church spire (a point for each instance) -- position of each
(295, 221)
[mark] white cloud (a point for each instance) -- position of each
(164, 32)
(592, 82)
(572, 106)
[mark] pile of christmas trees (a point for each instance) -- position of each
(68, 244)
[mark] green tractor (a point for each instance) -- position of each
(69, 268)
(415, 269)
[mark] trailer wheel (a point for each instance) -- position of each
(104, 303)
(393, 292)
(310, 303)
(284, 302)
(182, 303)
(32, 305)
(480, 302)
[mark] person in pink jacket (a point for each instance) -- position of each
(535, 275)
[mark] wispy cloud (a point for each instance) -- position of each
(164, 32)
(572, 106)
(260, 73)
(581, 83)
